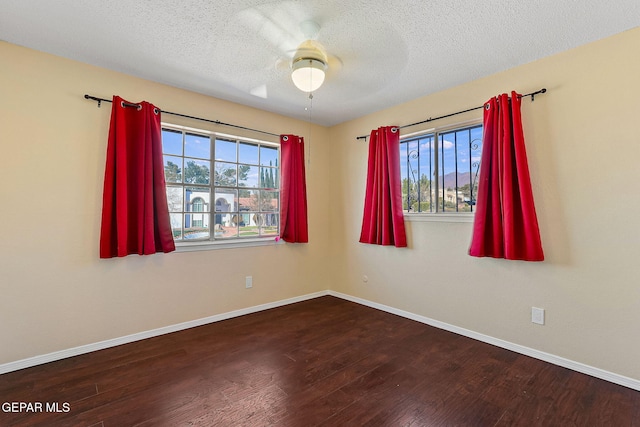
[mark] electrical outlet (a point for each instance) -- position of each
(537, 315)
(248, 282)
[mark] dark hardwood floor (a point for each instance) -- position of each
(323, 362)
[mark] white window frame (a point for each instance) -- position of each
(439, 216)
(235, 242)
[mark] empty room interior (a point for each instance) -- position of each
(73, 321)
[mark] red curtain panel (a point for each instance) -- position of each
(383, 220)
(135, 217)
(293, 205)
(505, 225)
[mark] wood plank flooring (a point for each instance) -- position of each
(322, 362)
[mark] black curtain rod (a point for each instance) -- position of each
(532, 95)
(100, 100)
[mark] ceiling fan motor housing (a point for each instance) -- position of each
(310, 49)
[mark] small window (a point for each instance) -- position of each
(198, 206)
(220, 187)
(439, 170)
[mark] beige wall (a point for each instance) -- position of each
(55, 293)
(583, 146)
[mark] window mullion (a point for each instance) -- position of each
(436, 170)
(470, 172)
(418, 179)
(431, 175)
(407, 162)
(455, 147)
(184, 193)
(212, 193)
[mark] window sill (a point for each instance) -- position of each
(439, 217)
(225, 244)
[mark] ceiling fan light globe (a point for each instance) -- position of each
(308, 74)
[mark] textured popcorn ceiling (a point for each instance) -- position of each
(391, 51)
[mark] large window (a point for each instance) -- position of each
(220, 187)
(439, 170)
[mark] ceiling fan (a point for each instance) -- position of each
(310, 60)
(302, 56)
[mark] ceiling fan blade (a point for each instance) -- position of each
(334, 64)
(259, 91)
(274, 26)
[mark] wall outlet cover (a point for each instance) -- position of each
(537, 315)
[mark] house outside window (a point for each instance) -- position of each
(439, 170)
(220, 187)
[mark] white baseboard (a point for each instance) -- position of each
(547, 357)
(76, 351)
(541, 355)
